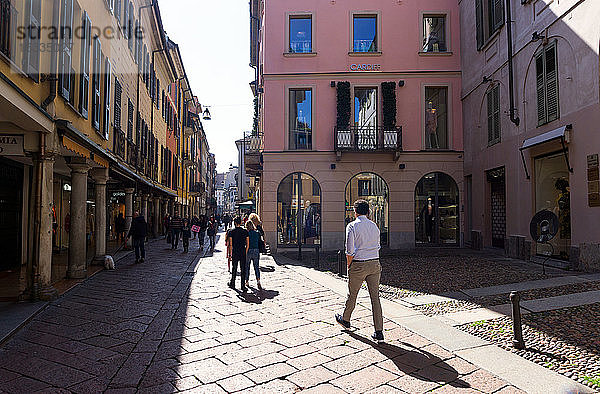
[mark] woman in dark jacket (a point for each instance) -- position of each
(138, 232)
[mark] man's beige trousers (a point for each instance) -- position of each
(359, 272)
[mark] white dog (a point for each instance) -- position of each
(109, 263)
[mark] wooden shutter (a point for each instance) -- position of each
(479, 23)
(130, 25)
(126, 20)
(66, 49)
(106, 109)
(552, 104)
(84, 83)
(129, 120)
(31, 57)
(490, 115)
(118, 96)
(496, 94)
(540, 88)
(497, 7)
(118, 6)
(97, 61)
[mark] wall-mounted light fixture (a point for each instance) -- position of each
(402, 166)
(333, 84)
(400, 83)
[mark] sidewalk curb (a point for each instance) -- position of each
(523, 374)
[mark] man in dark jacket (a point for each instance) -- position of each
(138, 232)
(176, 226)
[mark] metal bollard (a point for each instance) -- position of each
(518, 342)
(318, 263)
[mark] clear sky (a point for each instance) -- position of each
(214, 40)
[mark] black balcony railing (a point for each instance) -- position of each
(368, 139)
(132, 154)
(119, 147)
(197, 187)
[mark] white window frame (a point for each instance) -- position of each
(378, 16)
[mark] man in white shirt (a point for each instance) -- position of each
(362, 257)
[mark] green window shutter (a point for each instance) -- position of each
(84, 83)
(490, 115)
(97, 55)
(497, 20)
(31, 57)
(66, 49)
(106, 109)
(479, 23)
(540, 88)
(552, 103)
(118, 98)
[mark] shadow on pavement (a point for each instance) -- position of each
(423, 365)
(257, 296)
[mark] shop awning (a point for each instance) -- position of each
(562, 134)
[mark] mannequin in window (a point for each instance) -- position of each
(564, 207)
(427, 217)
(431, 125)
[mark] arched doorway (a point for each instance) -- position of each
(298, 211)
(370, 187)
(436, 210)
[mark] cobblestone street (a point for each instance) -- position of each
(171, 324)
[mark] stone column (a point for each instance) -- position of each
(100, 176)
(43, 278)
(157, 216)
(144, 207)
(128, 210)
(77, 234)
(164, 212)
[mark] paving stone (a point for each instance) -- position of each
(324, 389)
(298, 351)
(23, 385)
(267, 359)
(413, 384)
(308, 361)
(484, 381)
(310, 377)
(364, 379)
(270, 372)
(457, 364)
(212, 388)
(235, 383)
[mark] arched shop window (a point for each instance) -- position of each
(299, 211)
(370, 187)
(436, 210)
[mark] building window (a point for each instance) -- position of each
(493, 112)
(365, 118)
(129, 120)
(434, 33)
(118, 10)
(365, 33)
(66, 49)
(437, 210)
(300, 119)
(130, 26)
(84, 84)
(436, 117)
(300, 34)
(106, 108)
(546, 71)
(298, 211)
(489, 18)
(97, 64)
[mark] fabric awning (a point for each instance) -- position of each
(560, 133)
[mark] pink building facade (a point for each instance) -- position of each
(548, 159)
(357, 100)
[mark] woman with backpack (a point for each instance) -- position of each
(253, 255)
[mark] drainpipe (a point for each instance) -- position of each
(37, 221)
(513, 118)
(255, 67)
(53, 77)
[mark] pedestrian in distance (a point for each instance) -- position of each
(195, 223)
(120, 227)
(186, 234)
(255, 219)
(253, 255)
(203, 224)
(138, 233)
(176, 226)
(211, 231)
(236, 252)
(362, 257)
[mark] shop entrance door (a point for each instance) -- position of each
(11, 195)
(436, 211)
(496, 178)
(552, 192)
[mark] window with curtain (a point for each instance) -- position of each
(300, 34)
(436, 117)
(300, 122)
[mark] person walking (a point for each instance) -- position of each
(176, 226)
(195, 222)
(253, 255)
(120, 227)
(186, 234)
(211, 231)
(362, 257)
(203, 224)
(238, 244)
(138, 232)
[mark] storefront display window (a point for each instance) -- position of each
(552, 192)
(436, 210)
(299, 211)
(372, 188)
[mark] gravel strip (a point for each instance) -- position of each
(566, 341)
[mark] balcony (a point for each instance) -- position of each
(132, 154)
(190, 125)
(119, 143)
(187, 160)
(368, 139)
(197, 188)
(253, 147)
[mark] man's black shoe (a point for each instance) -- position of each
(342, 322)
(377, 336)
(244, 289)
(231, 285)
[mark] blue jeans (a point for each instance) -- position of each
(175, 240)
(138, 245)
(253, 257)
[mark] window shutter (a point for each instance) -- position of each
(31, 57)
(96, 84)
(130, 25)
(126, 19)
(118, 96)
(107, 86)
(496, 94)
(67, 46)
(479, 23)
(134, 33)
(552, 104)
(129, 120)
(118, 6)
(498, 14)
(490, 114)
(540, 87)
(84, 84)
